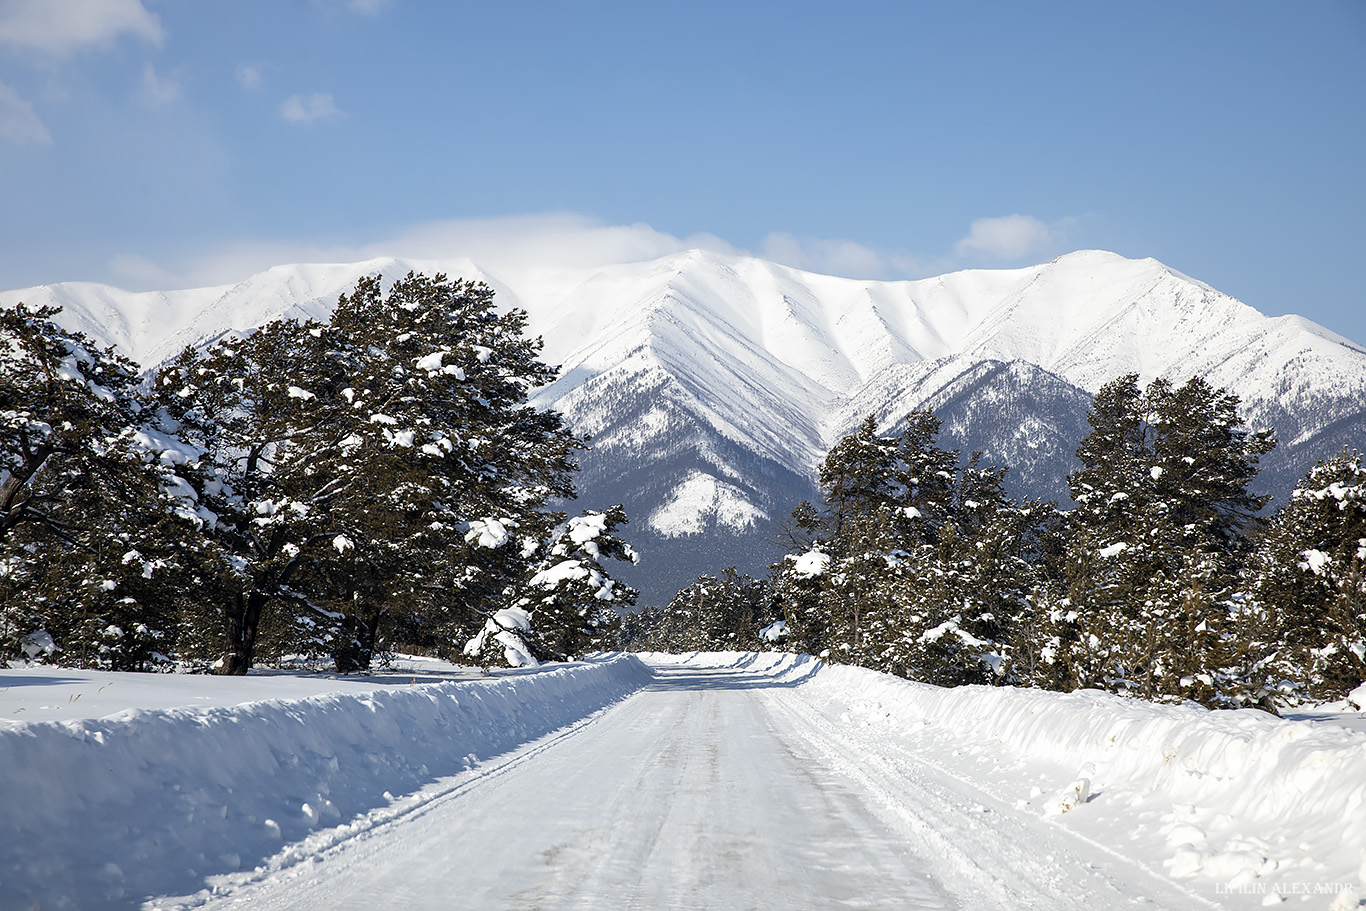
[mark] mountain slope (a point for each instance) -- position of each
(712, 385)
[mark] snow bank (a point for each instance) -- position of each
(104, 812)
(1262, 766)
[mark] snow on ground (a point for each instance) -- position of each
(43, 693)
(100, 812)
(1242, 808)
(663, 782)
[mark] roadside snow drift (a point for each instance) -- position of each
(106, 812)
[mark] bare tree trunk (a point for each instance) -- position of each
(356, 640)
(240, 621)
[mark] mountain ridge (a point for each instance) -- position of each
(712, 384)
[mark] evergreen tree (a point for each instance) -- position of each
(927, 475)
(96, 529)
(685, 624)
(859, 479)
(356, 466)
(827, 588)
(715, 613)
(961, 596)
(914, 564)
(1304, 622)
(572, 599)
(243, 405)
(1156, 542)
(798, 582)
(746, 617)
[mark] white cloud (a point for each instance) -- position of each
(527, 249)
(308, 108)
(18, 123)
(1009, 237)
(140, 272)
(514, 245)
(157, 91)
(363, 7)
(61, 27)
(250, 76)
(351, 7)
(551, 240)
(831, 256)
(368, 7)
(850, 259)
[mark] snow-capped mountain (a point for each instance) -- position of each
(712, 385)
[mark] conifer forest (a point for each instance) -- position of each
(378, 482)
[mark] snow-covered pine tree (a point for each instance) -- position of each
(685, 623)
(358, 466)
(97, 534)
(1204, 460)
(729, 612)
(745, 616)
(639, 627)
(1106, 557)
(857, 527)
(797, 582)
(923, 518)
(913, 564)
(243, 404)
(570, 594)
(1304, 621)
(1156, 541)
(451, 470)
(910, 578)
(962, 596)
(928, 476)
(858, 477)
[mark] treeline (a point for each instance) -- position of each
(312, 489)
(1164, 582)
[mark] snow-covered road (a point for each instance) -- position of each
(694, 793)
(735, 780)
(713, 787)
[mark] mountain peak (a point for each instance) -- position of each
(1099, 257)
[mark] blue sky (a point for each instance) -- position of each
(169, 143)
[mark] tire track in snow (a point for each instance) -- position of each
(688, 794)
(994, 855)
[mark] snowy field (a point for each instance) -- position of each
(662, 782)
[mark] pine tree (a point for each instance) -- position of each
(684, 625)
(242, 404)
(1161, 528)
(714, 613)
(960, 597)
(357, 466)
(1304, 622)
(571, 597)
(796, 583)
(830, 589)
(913, 564)
(97, 532)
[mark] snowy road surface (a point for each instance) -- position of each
(712, 787)
(735, 780)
